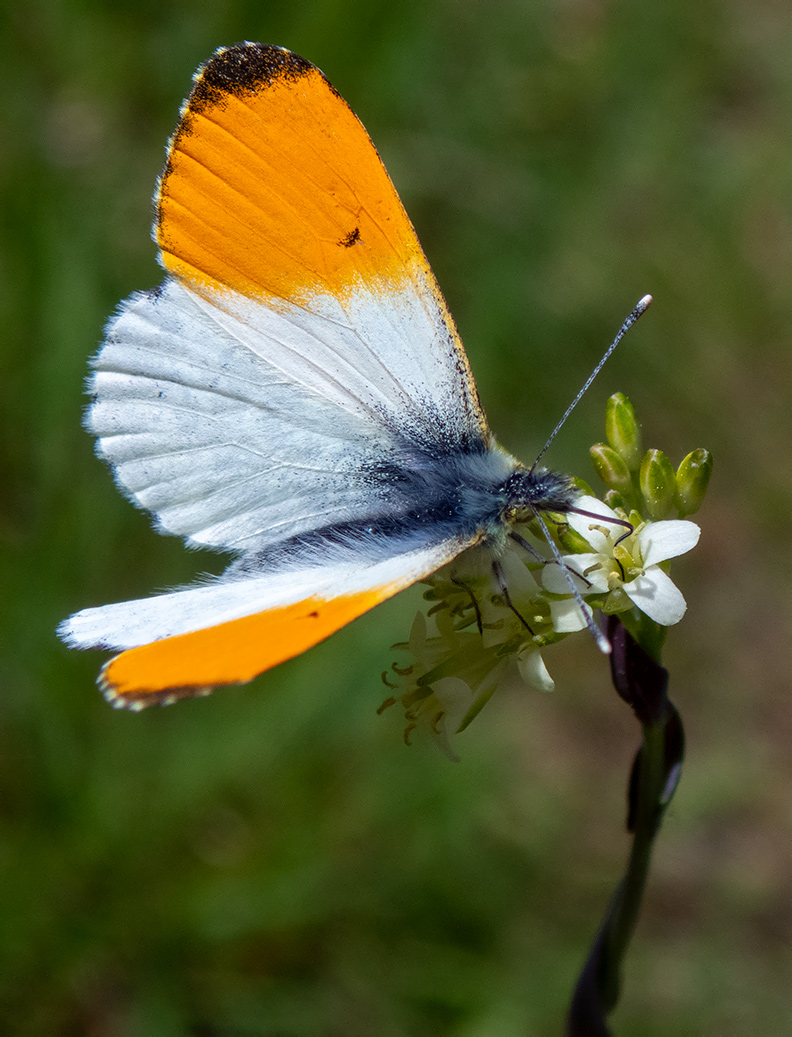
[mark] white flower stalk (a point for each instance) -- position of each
(619, 577)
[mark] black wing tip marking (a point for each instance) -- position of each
(244, 68)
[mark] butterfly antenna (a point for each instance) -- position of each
(635, 313)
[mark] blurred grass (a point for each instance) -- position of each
(272, 860)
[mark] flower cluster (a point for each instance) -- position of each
(484, 626)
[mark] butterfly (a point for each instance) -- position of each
(295, 393)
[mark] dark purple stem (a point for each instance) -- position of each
(642, 683)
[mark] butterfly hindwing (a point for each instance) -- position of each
(188, 642)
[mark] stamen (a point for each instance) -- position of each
(594, 528)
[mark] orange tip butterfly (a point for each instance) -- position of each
(294, 393)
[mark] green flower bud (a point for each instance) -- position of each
(623, 431)
(611, 468)
(571, 542)
(635, 519)
(583, 486)
(615, 500)
(692, 479)
(658, 484)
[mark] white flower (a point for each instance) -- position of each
(454, 698)
(633, 570)
(470, 646)
(532, 669)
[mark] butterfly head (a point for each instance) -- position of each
(528, 491)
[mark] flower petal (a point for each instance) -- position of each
(417, 640)
(658, 596)
(455, 697)
(566, 616)
(659, 541)
(554, 579)
(582, 523)
(533, 670)
(519, 578)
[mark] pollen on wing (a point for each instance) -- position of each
(351, 239)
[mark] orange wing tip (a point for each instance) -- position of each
(273, 189)
(137, 701)
(239, 70)
(234, 652)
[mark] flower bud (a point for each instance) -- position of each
(658, 484)
(611, 468)
(622, 430)
(571, 541)
(692, 479)
(615, 500)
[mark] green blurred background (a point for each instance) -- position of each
(273, 860)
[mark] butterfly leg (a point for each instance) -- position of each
(474, 603)
(498, 571)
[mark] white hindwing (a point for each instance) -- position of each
(342, 571)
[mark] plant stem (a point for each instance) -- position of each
(626, 905)
(641, 682)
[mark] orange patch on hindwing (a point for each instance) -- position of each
(273, 188)
(229, 653)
